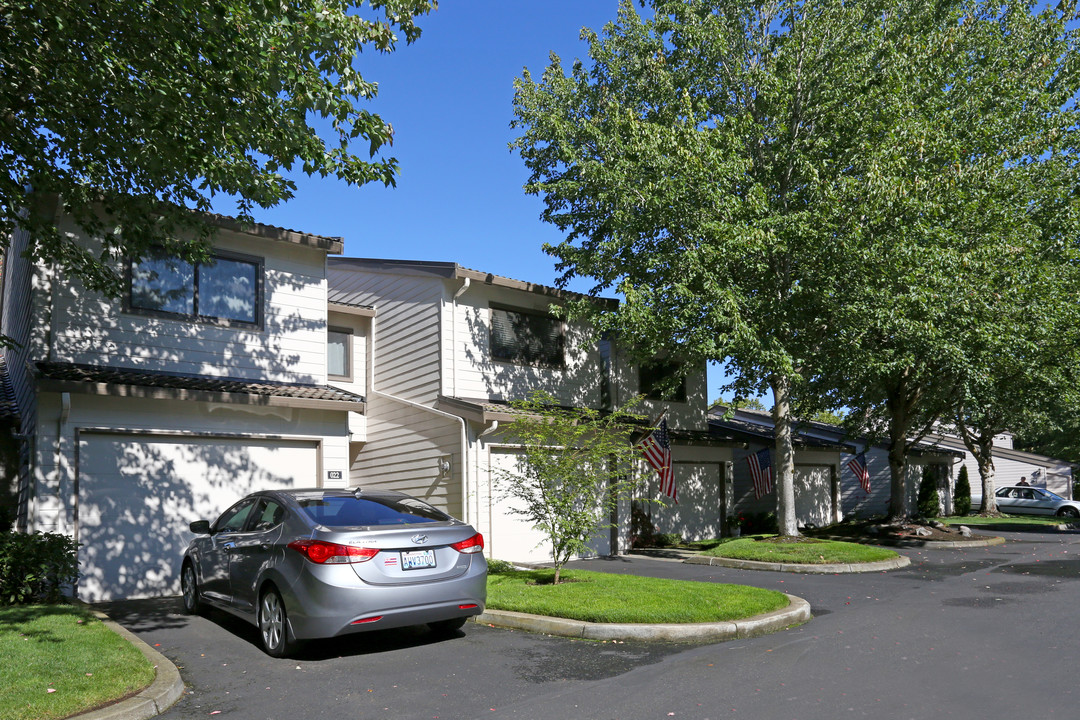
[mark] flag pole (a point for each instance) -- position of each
(652, 426)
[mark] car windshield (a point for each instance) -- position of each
(1053, 496)
(349, 511)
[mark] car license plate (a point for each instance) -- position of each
(417, 559)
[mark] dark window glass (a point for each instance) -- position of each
(267, 516)
(222, 288)
(228, 289)
(163, 285)
(233, 519)
(527, 338)
(663, 380)
(368, 511)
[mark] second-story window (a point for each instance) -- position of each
(527, 338)
(663, 380)
(226, 288)
(339, 353)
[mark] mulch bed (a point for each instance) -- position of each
(859, 531)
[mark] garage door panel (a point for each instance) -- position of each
(813, 494)
(137, 496)
(697, 514)
(512, 537)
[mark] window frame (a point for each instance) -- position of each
(259, 264)
(664, 368)
(348, 333)
(519, 358)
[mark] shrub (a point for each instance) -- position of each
(760, 523)
(962, 493)
(36, 568)
(929, 503)
(496, 566)
(642, 530)
(668, 540)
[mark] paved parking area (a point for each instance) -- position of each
(983, 632)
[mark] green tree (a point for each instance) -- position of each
(773, 183)
(134, 113)
(575, 466)
(929, 501)
(962, 493)
(970, 229)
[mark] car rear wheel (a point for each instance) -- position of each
(1069, 512)
(445, 627)
(189, 587)
(273, 625)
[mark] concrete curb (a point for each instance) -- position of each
(155, 698)
(826, 569)
(982, 541)
(796, 613)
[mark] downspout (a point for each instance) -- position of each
(61, 421)
(434, 411)
(490, 504)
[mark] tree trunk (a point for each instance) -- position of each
(898, 509)
(985, 458)
(784, 465)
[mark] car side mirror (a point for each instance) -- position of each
(200, 527)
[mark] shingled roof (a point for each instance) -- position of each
(98, 380)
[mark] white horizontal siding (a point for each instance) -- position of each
(403, 451)
(290, 347)
(478, 375)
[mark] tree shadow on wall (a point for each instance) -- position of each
(134, 508)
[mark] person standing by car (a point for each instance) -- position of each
(1023, 480)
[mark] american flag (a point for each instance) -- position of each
(656, 447)
(761, 471)
(858, 466)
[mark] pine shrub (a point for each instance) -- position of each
(962, 493)
(929, 503)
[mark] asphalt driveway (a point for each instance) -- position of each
(973, 633)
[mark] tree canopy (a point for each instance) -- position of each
(812, 191)
(135, 112)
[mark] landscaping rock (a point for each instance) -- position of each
(965, 530)
(937, 524)
(923, 532)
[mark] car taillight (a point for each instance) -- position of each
(327, 553)
(474, 544)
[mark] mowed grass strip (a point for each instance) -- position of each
(608, 598)
(801, 550)
(69, 651)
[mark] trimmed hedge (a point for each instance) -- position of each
(36, 568)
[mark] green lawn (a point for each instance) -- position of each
(58, 660)
(970, 520)
(609, 598)
(803, 550)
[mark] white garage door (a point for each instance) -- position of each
(697, 514)
(813, 494)
(510, 536)
(137, 494)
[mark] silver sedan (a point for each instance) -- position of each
(304, 564)
(1027, 500)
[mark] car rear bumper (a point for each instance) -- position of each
(329, 604)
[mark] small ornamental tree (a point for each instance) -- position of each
(574, 467)
(962, 493)
(929, 503)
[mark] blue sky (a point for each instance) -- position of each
(449, 96)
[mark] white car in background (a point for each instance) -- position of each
(1027, 500)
